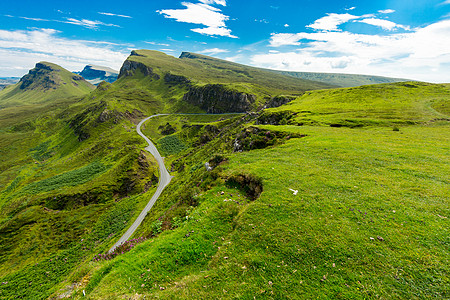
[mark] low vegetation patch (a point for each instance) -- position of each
(71, 178)
(250, 184)
(256, 138)
(170, 145)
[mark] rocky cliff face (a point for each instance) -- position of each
(130, 67)
(216, 98)
(42, 74)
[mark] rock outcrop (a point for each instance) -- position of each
(216, 98)
(130, 67)
(42, 74)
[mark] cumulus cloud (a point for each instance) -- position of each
(423, 53)
(26, 47)
(332, 21)
(219, 2)
(385, 24)
(213, 51)
(202, 13)
(114, 15)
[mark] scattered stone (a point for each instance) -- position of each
(371, 238)
(270, 283)
(222, 192)
(142, 285)
(334, 265)
(380, 238)
(162, 288)
(226, 257)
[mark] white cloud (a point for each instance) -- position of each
(423, 53)
(286, 25)
(387, 11)
(446, 2)
(34, 19)
(87, 23)
(203, 14)
(114, 15)
(351, 8)
(213, 51)
(385, 24)
(24, 48)
(219, 2)
(331, 21)
(157, 44)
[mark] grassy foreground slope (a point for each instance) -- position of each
(290, 211)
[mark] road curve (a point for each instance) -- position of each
(164, 180)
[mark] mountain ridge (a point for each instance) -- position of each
(336, 79)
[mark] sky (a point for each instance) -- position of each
(394, 38)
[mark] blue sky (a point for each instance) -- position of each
(396, 38)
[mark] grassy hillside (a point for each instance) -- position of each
(333, 79)
(46, 82)
(70, 171)
(297, 211)
(170, 79)
(342, 80)
(386, 104)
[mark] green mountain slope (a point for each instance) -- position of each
(45, 82)
(210, 85)
(342, 80)
(297, 211)
(334, 79)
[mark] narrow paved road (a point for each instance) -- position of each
(164, 180)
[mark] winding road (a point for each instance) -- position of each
(164, 180)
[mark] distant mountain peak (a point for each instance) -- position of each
(96, 74)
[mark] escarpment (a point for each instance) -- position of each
(216, 98)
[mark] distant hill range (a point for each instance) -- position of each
(342, 80)
(5, 81)
(96, 74)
